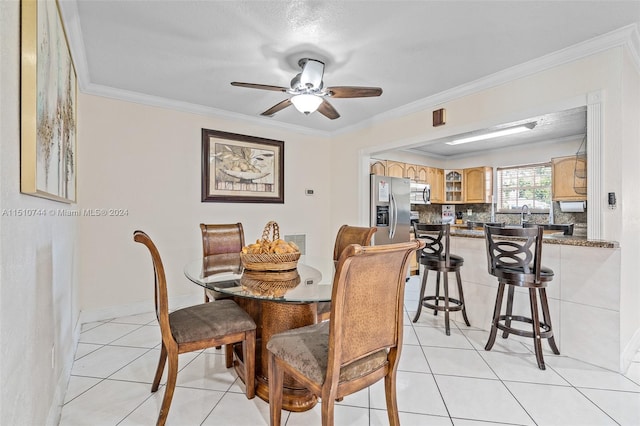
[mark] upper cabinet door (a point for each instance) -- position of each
(569, 177)
(411, 172)
(478, 185)
(395, 169)
(435, 178)
(378, 167)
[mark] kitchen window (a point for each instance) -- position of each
(529, 184)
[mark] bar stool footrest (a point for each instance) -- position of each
(454, 304)
(544, 334)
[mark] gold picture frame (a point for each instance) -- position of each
(241, 169)
(48, 96)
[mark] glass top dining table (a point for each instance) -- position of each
(310, 282)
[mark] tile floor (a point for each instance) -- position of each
(442, 380)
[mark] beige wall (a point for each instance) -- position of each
(38, 308)
(629, 204)
(147, 160)
(559, 88)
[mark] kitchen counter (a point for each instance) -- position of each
(553, 238)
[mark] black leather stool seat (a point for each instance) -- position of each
(436, 257)
(517, 263)
(439, 261)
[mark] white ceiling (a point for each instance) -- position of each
(184, 54)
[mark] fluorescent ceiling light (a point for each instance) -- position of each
(306, 104)
(498, 133)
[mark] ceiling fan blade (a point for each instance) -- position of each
(353, 92)
(328, 110)
(277, 107)
(259, 86)
(312, 72)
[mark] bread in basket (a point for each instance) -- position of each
(270, 253)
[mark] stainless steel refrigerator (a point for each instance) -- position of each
(390, 208)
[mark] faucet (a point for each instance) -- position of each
(525, 211)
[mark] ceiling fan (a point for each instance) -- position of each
(309, 93)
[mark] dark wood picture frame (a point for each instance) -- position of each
(241, 169)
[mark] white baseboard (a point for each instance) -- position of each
(55, 410)
(630, 352)
(136, 308)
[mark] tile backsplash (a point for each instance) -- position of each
(482, 213)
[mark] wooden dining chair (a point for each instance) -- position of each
(221, 239)
(362, 341)
(346, 235)
(194, 328)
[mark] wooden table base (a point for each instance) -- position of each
(272, 318)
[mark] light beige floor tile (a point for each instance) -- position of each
(105, 404)
(380, 418)
(581, 374)
(416, 393)
(436, 336)
(86, 348)
(207, 371)
(458, 362)
(236, 409)
(343, 415)
(143, 369)
(105, 361)
(188, 407)
(623, 407)
(558, 405)
(412, 358)
(78, 385)
(106, 333)
(520, 368)
(147, 336)
(513, 344)
(481, 399)
(141, 319)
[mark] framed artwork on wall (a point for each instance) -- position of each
(241, 169)
(48, 105)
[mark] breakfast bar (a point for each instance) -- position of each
(584, 297)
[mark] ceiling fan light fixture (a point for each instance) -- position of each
(491, 135)
(306, 103)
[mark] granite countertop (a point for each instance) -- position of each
(555, 238)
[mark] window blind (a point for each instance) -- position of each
(528, 184)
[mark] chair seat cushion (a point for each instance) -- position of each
(306, 350)
(437, 261)
(209, 320)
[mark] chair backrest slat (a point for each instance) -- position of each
(352, 235)
(436, 238)
(222, 238)
(160, 284)
(522, 250)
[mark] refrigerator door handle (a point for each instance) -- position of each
(394, 218)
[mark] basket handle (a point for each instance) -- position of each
(271, 227)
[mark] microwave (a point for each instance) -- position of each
(420, 193)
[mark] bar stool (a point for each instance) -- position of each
(436, 257)
(517, 262)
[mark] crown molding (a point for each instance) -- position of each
(626, 37)
(174, 105)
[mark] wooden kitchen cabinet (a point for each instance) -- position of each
(569, 178)
(478, 184)
(378, 167)
(453, 186)
(435, 178)
(395, 169)
(411, 172)
(423, 174)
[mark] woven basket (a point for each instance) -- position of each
(269, 284)
(270, 261)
